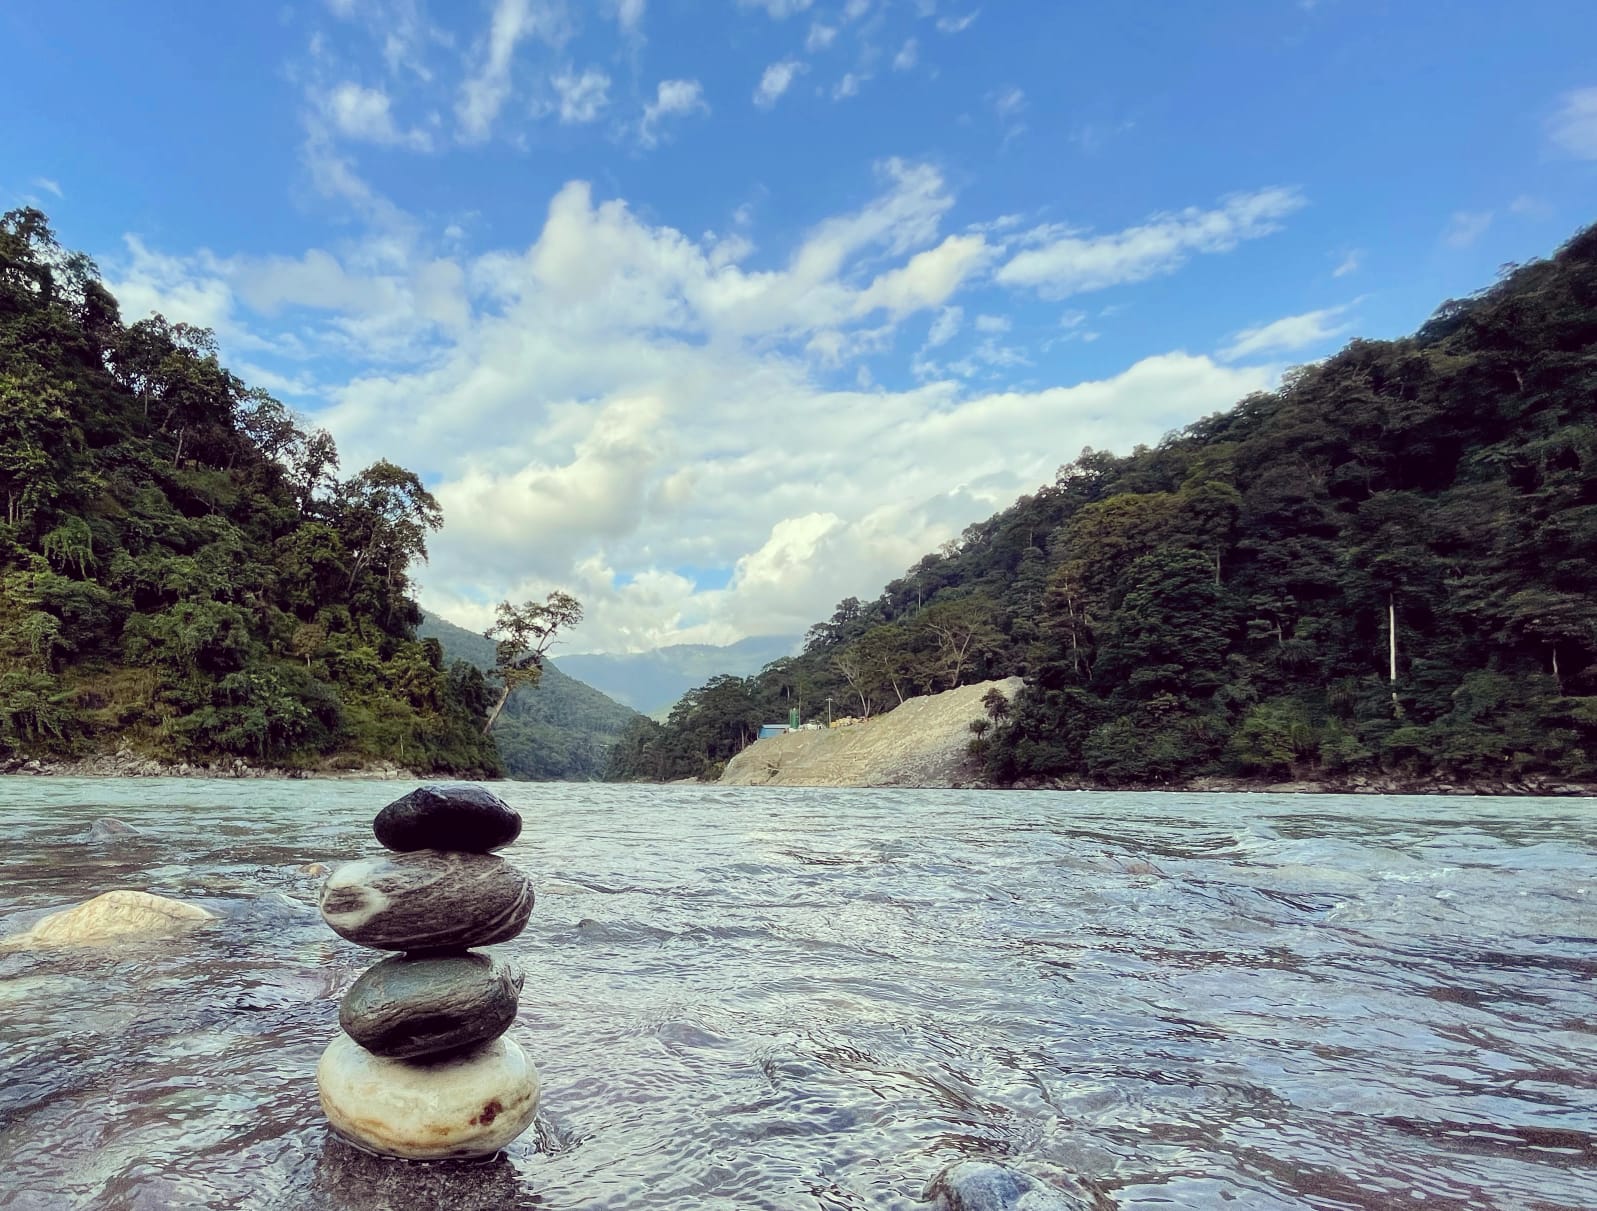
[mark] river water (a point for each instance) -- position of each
(758, 998)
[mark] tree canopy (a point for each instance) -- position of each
(1388, 565)
(182, 572)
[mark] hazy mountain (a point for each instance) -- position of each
(651, 682)
(560, 729)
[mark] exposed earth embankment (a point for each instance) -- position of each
(921, 743)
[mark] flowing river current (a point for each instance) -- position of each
(760, 998)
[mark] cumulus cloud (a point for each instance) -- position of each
(1289, 334)
(1062, 262)
(581, 98)
(908, 55)
(366, 115)
(1573, 126)
(673, 98)
(775, 81)
(615, 403)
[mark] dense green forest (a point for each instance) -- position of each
(183, 574)
(559, 730)
(1386, 566)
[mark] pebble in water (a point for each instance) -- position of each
(410, 1007)
(421, 1070)
(427, 900)
(981, 1186)
(461, 818)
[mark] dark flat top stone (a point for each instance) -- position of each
(461, 818)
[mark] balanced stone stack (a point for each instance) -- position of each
(421, 1069)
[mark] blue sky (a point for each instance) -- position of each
(716, 311)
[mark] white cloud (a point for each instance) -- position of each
(1008, 102)
(779, 10)
(853, 10)
(1349, 264)
(673, 98)
(993, 323)
(776, 80)
(908, 55)
(615, 401)
(955, 25)
(484, 94)
(1528, 207)
(1573, 128)
(848, 86)
(629, 15)
(928, 279)
(582, 97)
(1289, 334)
(365, 115)
(819, 37)
(1063, 262)
(1464, 227)
(945, 327)
(49, 186)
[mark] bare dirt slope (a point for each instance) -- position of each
(922, 743)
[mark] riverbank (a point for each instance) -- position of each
(925, 744)
(1356, 784)
(126, 764)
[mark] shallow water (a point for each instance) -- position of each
(756, 998)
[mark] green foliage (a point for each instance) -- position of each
(1225, 602)
(180, 571)
(559, 729)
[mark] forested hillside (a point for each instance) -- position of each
(559, 729)
(182, 571)
(1388, 565)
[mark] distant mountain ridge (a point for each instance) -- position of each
(651, 682)
(561, 730)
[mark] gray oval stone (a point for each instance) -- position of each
(447, 817)
(981, 1186)
(427, 900)
(407, 1006)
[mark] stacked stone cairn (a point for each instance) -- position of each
(421, 1069)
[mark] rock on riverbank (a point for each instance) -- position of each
(921, 743)
(126, 764)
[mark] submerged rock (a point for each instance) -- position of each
(464, 818)
(409, 1007)
(109, 829)
(981, 1186)
(427, 900)
(468, 1105)
(116, 915)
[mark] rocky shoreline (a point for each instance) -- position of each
(127, 764)
(1355, 784)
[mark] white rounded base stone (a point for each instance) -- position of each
(468, 1105)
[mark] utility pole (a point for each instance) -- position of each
(828, 710)
(1391, 629)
